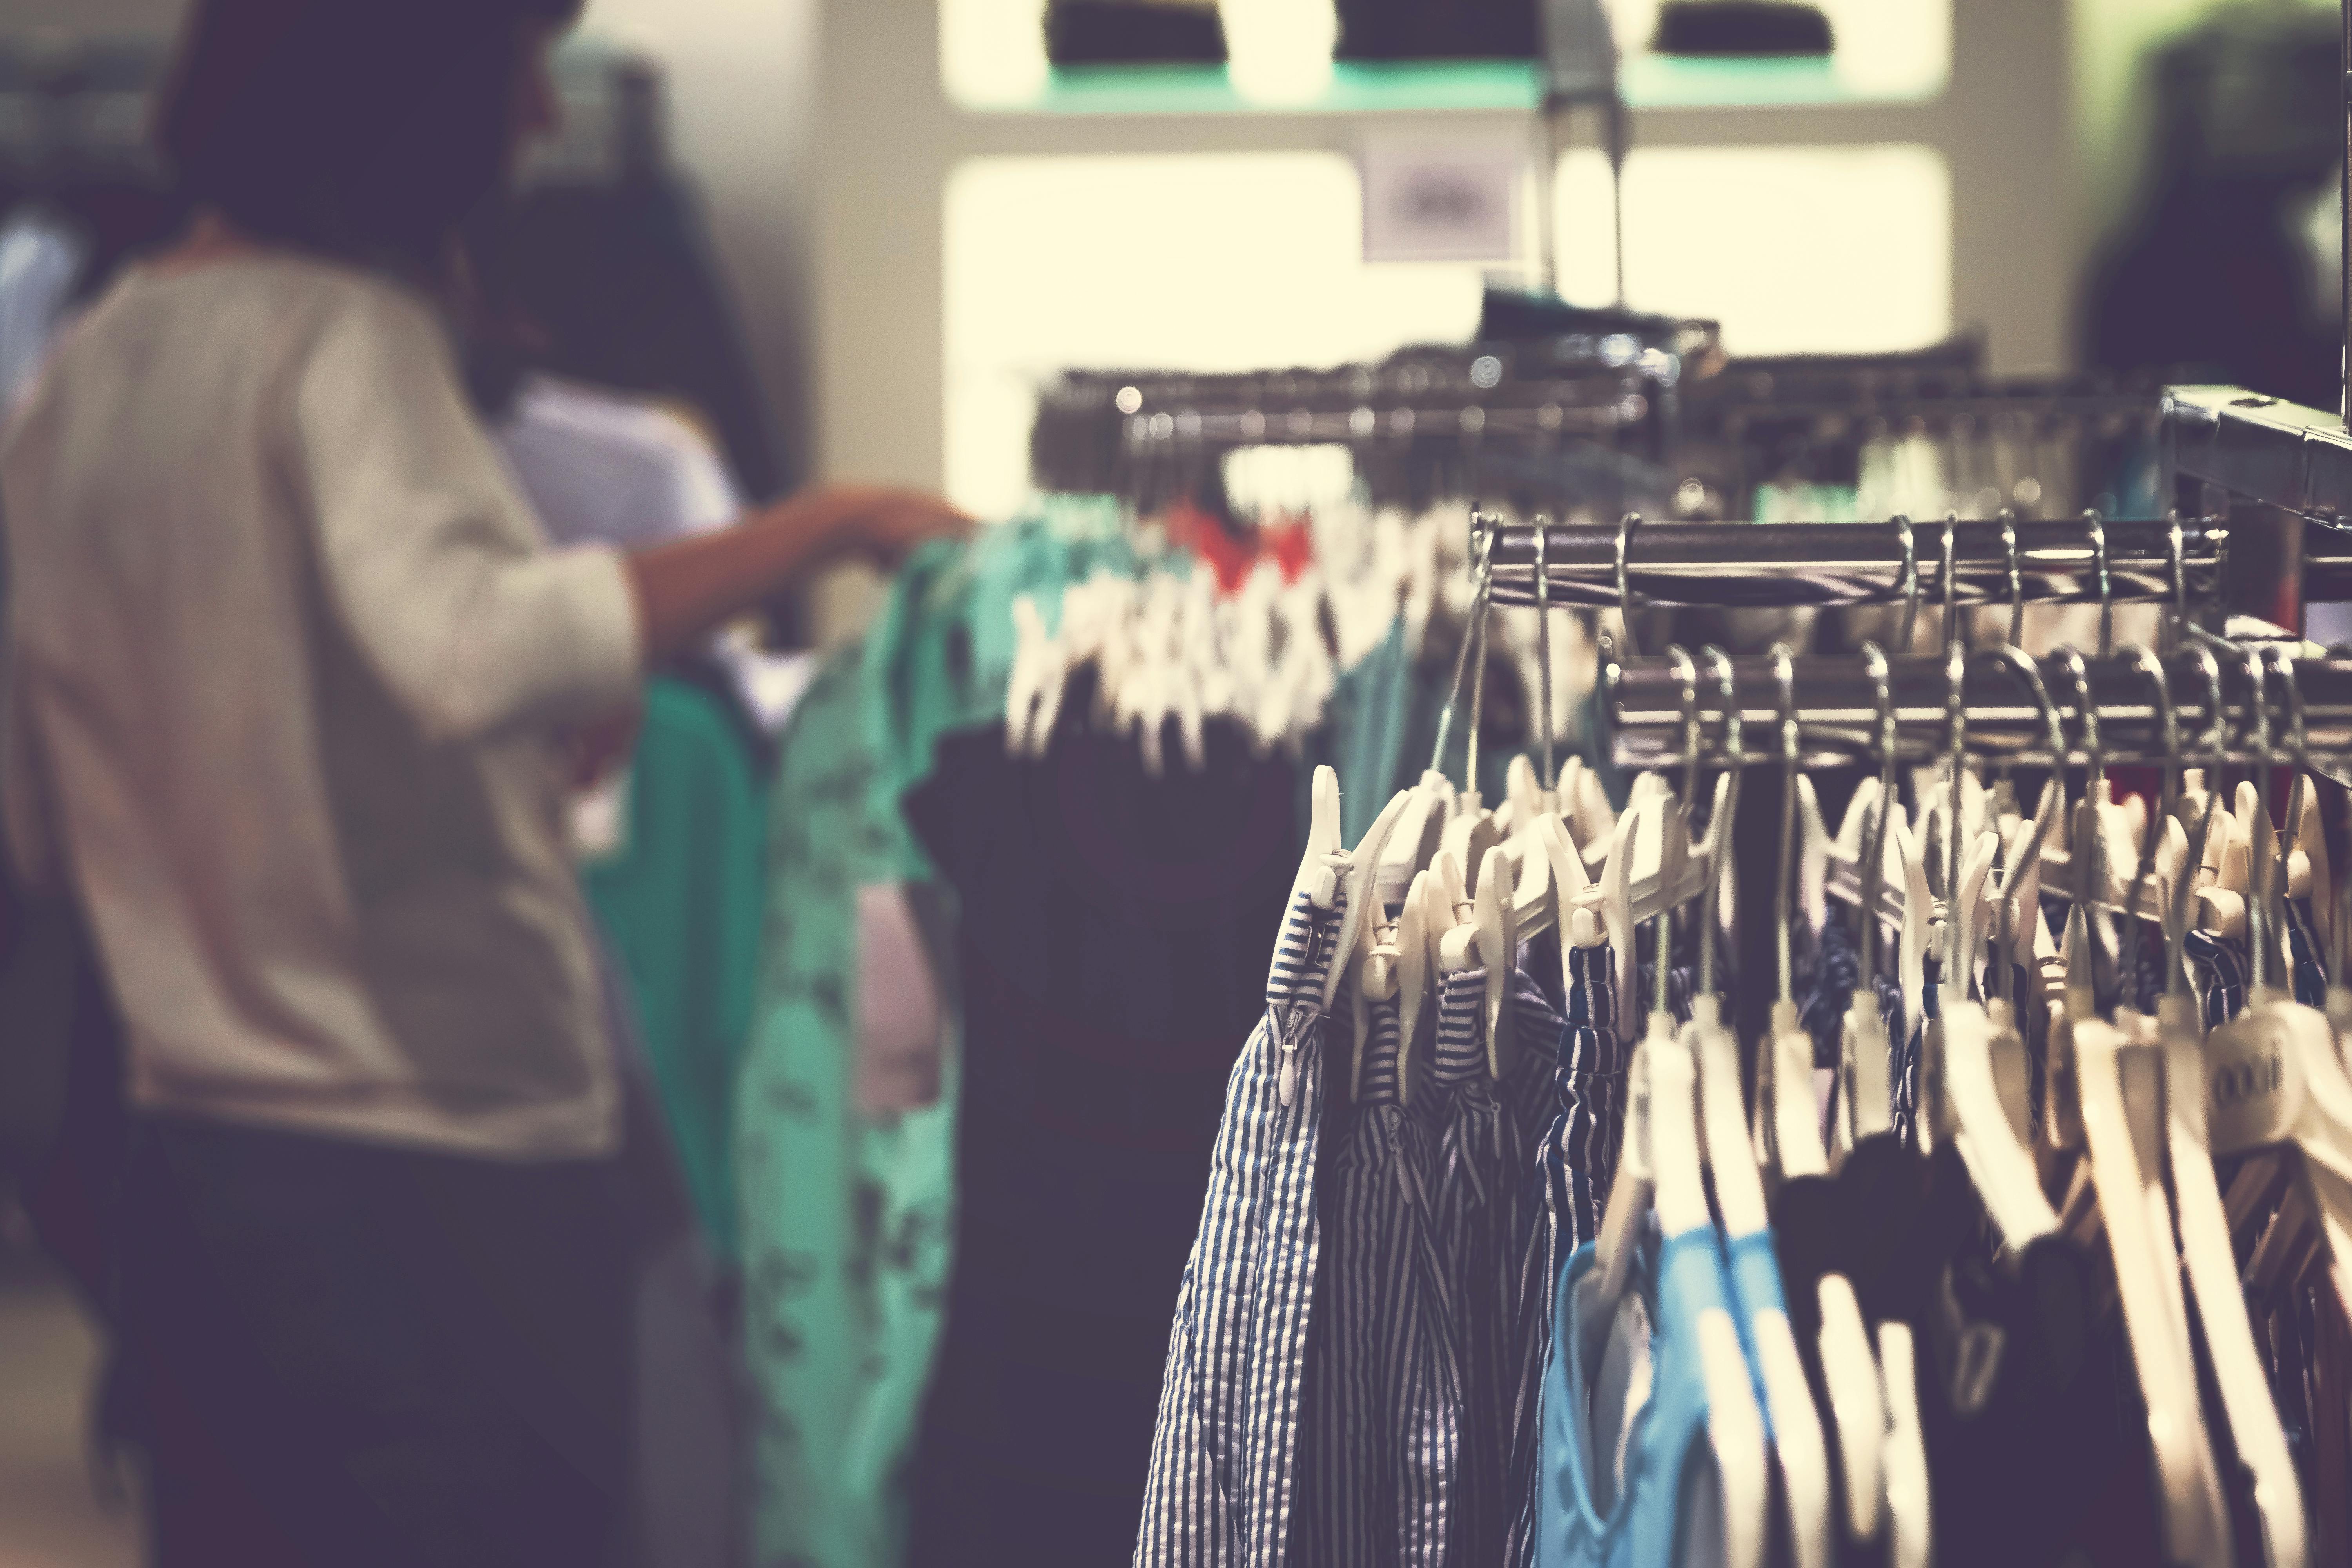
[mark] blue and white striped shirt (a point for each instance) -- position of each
(1384, 1386)
(1223, 1452)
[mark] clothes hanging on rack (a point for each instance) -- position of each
(681, 904)
(1109, 924)
(1224, 1456)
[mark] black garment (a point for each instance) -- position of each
(1133, 32)
(1852, 1223)
(2037, 1438)
(1438, 30)
(623, 279)
(1114, 940)
(360, 1357)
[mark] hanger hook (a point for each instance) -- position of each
(1486, 612)
(2298, 753)
(2091, 862)
(2016, 578)
(2218, 734)
(2098, 527)
(1678, 659)
(2168, 729)
(2258, 721)
(1784, 679)
(2175, 547)
(1543, 647)
(1735, 748)
(2014, 658)
(1951, 579)
(1694, 738)
(1910, 582)
(1482, 544)
(1625, 527)
(1956, 720)
(1874, 668)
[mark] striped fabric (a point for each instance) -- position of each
(2303, 953)
(1903, 1081)
(1488, 1201)
(1580, 1158)
(2217, 964)
(1532, 1092)
(1220, 1486)
(1472, 1204)
(1384, 1385)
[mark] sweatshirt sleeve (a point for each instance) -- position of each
(430, 554)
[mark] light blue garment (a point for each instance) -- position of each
(1755, 1272)
(1644, 1527)
(40, 261)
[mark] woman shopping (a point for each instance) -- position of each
(295, 696)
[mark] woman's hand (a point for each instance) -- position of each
(881, 523)
(688, 587)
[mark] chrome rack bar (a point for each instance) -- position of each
(2259, 449)
(1790, 564)
(1838, 716)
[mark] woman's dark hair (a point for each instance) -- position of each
(360, 128)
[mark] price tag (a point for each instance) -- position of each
(1441, 201)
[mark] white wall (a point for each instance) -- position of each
(742, 76)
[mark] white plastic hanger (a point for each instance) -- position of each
(2204, 1227)
(1327, 870)
(1787, 1112)
(1673, 1182)
(1616, 913)
(1415, 974)
(1910, 1506)
(1032, 692)
(1739, 1186)
(2118, 1082)
(1498, 947)
(1998, 1162)
(2277, 1069)
(1865, 1106)
(1376, 980)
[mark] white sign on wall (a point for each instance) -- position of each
(1441, 201)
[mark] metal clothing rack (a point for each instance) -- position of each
(1840, 719)
(2087, 559)
(1651, 716)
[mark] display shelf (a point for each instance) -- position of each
(1649, 81)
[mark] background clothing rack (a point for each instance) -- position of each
(1855, 564)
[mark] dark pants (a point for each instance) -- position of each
(358, 1357)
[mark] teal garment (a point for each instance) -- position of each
(1368, 717)
(681, 905)
(845, 1220)
(847, 1217)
